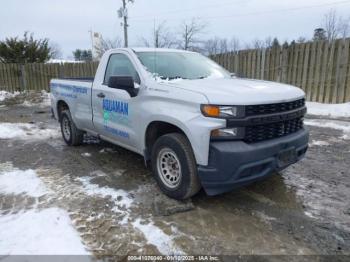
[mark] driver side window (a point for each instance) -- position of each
(120, 65)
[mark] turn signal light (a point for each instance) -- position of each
(212, 111)
(222, 111)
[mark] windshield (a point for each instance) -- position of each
(185, 65)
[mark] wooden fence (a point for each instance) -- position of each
(321, 69)
(16, 77)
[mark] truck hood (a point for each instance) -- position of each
(238, 91)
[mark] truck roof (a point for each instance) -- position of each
(151, 49)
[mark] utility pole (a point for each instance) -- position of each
(123, 13)
(125, 17)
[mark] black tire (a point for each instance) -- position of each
(178, 144)
(70, 133)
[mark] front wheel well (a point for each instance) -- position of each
(155, 130)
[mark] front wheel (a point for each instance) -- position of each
(174, 166)
(70, 133)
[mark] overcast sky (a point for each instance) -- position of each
(67, 22)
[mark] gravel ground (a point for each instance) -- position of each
(117, 209)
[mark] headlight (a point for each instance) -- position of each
(228, 133)
(222, 111)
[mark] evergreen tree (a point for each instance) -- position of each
(82, 55)
(26, 50)
(275, 43)
(319, 34)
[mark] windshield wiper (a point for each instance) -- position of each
(176, 77)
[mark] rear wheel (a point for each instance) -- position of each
(70, 133)
(174, 166)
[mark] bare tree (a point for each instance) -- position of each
(218, 45)
(330, 24)
(107, 44)
(162, 37)
(336, 26)
(212, 46)
(234, 44)
(268, 42)
(344, 27)
(189, 33)
(55, 51)
(144, 42)
(302, 39)
(258, 44)
(223, 45)
(261, 44)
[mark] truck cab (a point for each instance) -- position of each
(196, 124)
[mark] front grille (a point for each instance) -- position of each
(259, 133)
(253, 110)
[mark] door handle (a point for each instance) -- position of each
(101, 95)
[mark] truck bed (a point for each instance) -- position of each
(76, 93)
(80, 79)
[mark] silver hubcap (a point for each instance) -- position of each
(66, 128)
(169, 168)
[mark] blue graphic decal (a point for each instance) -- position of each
(72, 90)
(116, 132)
(116, 106)
(68, 95)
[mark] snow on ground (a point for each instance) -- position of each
(318, 198)
(319, 143)
(5, 95)
(346, 137)
(44, 232)
(157, 237)
(332, 110)
(86, 154)
(46, 100)
(62, 61)
(153, 234)
(31, 231)
(120, 197)
(16, 181)
(265, 218)
(26, 131)
(340, 125)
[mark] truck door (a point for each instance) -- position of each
(113, 109)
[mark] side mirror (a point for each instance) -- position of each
(123, 82)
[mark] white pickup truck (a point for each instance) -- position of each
(195, 123)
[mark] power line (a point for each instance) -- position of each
(190, 9)
(282, 10)
(232, 16)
